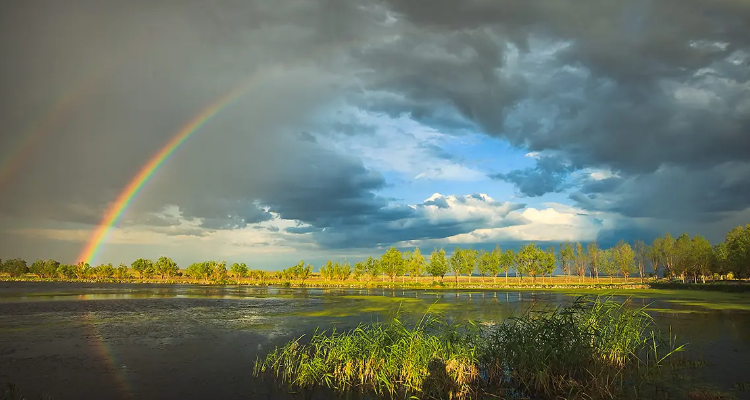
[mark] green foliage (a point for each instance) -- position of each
(586, 350)
(141, 266)
(239, 270)
(415, 264)
(438, 265)
(14, 267)
(392, 263)
(164, 266)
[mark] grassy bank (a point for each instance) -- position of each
(591, 349)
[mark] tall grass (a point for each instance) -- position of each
(586, 350)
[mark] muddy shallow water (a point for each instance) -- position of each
(90, 341)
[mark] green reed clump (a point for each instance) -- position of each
(586, 350)
(387, 358)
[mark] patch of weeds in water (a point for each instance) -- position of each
(11, 393)
(591, 349)
(713, 306)
(676, 311)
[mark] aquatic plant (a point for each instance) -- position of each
(586, 350)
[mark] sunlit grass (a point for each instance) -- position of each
(581, 351)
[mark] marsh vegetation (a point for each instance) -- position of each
(594, 348)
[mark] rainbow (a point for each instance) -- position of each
(125, 197)
(55, 115)
(108, 356)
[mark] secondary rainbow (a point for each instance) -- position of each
(122, 201)
(55, 116)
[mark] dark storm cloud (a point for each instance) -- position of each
(600, 84)
(419, 222)
(605, 84)
(548, 176)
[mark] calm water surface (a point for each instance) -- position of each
(91, 341)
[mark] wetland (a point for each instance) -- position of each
(138, 341)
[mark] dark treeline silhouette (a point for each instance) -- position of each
(689, 259)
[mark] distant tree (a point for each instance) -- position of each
(239, 271)
(641, 257)
(702, 258)
(37, 268)
(122, 272)
(106, 271)
(455, 262)
(164, 266)
(547, 262)
(342, 271)
(566, 255)
(508, 261)
(592, 256)
(485, 263)
(14, 267)
(66, 271)
(496, 260)
(608, 262)
(682, 255)
(527, 261)
(50, 268)
(326, 271)
(667, 247)
(738, 250)
(140, 266)
(372, 268)
(438, 265)
(655, 254)
(359, 270)
(417, 264)
(469, 262)
(82, 269)
(624, 258)
(579, 261)
(392, 263)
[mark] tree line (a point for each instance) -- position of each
(686, 258)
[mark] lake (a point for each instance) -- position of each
(139, 341)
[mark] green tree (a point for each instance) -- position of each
(164, 266)
(438, 265)
(579, 261)
(141, 266)
(641, 257)
(66, 271)
(682, 255)
(624, 258)
(392, 263)
(592, 257)
(567, 255)
(82, 269)
(50, 267)
(667, 248)
(37, 268)
(372, 268)
(496, 264)
(326, 271)
(547, 262)
(527, 261)
(469, 262)
(485, 263)
(122, 272)
(456, 262)
(342, 271)
(14, 267)
(239, 271)
(106, 271)
(417, 264)
(508, 261)
(608, 262)
(359, 270)
(655, 254)
(702, 258)
(738, 250)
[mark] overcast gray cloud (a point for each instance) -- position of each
(589, 85)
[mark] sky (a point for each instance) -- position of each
(370, 124)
